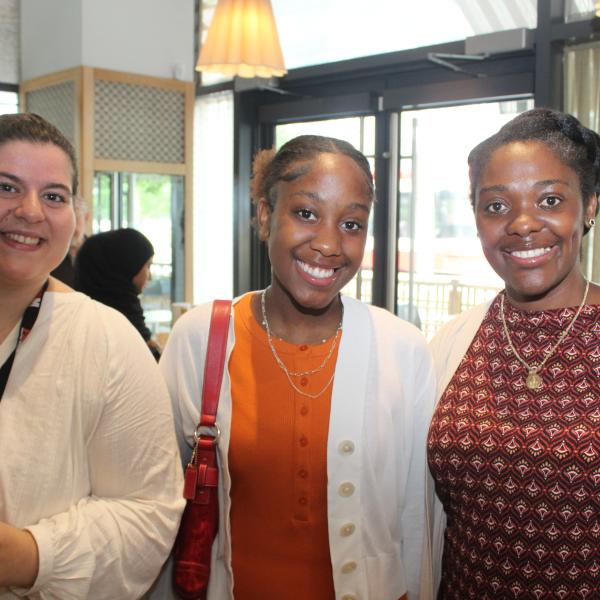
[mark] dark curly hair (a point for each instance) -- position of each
(574, 144)
(270, 167)
(29, 127)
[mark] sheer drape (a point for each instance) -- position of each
(582, 99)
(213, 197)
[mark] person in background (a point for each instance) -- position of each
(90, 482)
(514, 444)
(324, 402)
(65, 272)
(113, 267)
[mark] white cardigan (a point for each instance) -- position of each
(89, 462)
(382, 392)
(448, 347)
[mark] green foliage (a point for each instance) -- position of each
(153, 196)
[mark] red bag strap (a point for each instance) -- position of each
(201, 473)
(215, 361)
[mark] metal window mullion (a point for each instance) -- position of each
(412, 221)
(393, 199)
(115, 195)
(381, 215)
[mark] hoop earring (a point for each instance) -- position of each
(591, 223)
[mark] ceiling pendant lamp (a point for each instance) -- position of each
(242, 40)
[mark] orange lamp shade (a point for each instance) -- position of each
(242, 40)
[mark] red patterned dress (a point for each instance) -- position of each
(518, 470)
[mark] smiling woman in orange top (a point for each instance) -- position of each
(323, 404)
(514, 444)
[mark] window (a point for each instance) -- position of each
(152, 204)
(9, 103)
(579, 10)
(350, 30)
(441, 267)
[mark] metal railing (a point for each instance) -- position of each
(435, 302)
(432, 302)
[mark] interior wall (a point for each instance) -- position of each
(50, 37)
(145, 37)
(9, 41)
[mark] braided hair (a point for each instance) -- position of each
(270, 167)
(575, 145)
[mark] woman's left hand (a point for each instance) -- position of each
(18, 557)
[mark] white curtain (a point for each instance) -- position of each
(582, 99)
(213, 197)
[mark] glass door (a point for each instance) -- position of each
(153, 204)
(441, 270)
(360, 132)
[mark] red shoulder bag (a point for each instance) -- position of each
(200, 521)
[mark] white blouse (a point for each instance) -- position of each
(89, 464)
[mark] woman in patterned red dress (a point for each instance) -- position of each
(514, 444)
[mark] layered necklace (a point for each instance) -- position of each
(534, 380)
(289, 374)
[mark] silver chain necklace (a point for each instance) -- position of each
(289, 374)
(534, 380)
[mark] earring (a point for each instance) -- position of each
(591, 223)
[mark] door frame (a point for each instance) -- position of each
(387, 83)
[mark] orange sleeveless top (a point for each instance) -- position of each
(278, 467)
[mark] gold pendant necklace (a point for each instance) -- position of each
(534, 380)
(289, 374)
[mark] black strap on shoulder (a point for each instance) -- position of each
(27, 322)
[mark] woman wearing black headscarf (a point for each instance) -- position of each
(113, 267)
